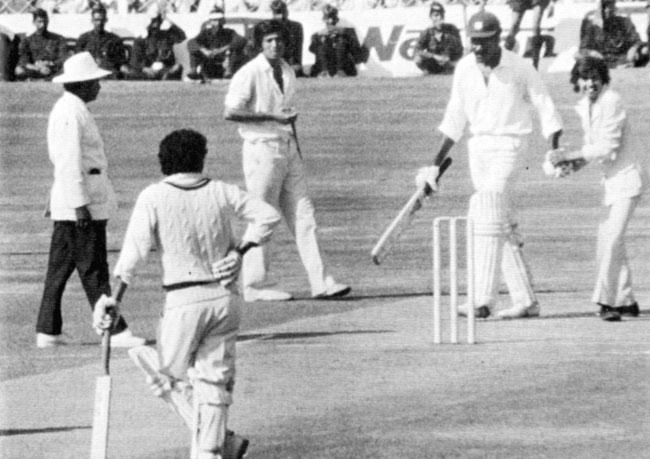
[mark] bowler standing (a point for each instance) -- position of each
(260, 99)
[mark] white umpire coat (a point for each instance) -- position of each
(76, 150)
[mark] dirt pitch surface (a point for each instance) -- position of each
(351, 378)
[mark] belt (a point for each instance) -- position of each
(181, 285)
(94, 171)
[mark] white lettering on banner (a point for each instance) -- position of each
(389, 34)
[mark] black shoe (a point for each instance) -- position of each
(629, 311)
(235, 446)
(609, 314)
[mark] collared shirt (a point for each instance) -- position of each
(253, 87)
(77, 152)
(46, 46)
(188, 217)
(502, 106)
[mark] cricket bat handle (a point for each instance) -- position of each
(106, 335)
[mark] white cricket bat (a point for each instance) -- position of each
(99, 444)
(403, 220)
(146, 358)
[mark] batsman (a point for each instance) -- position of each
(495, 91)
(187, 216)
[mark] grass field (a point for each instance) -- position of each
(362, 141)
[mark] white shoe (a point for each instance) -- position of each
(333, 290)
(482, 312)
(519, 312)
(126, 339)
(254, 294)
(44, 340)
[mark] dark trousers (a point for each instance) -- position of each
(70, 248)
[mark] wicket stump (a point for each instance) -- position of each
(452, 223)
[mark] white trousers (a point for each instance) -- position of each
(614, 278)
(494, 163)
(196, 344)
(274, 173)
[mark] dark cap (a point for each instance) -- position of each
(278, 6)
(437, 8)
(330, 11)
(483, 25)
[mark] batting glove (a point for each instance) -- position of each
(427, 176)
(227, 269)
(159, 386)
(105, 314)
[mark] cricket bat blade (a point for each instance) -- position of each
(101, 412)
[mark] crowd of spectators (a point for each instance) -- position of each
(218, 51)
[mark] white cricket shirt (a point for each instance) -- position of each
(501, 107)
(253, 87)
(189, 220)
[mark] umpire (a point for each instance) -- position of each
(81, 200)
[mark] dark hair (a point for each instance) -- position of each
(589, 67)
(265, 28)
(330, 11)
(182, 150)
(39, 13)
(278, 6)
(437, 8)
(98, 9)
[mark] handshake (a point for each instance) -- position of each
(560, 163)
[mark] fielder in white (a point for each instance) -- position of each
(187, 216)
(608, 141)
(260, 99)
(495, 92)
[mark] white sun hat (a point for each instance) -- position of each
(80, 67)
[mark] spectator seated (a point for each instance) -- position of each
(107, 49)
(217, 51)
(41, 54)
(337, 49)
(612, 37)
(439, 47)
(153, 56)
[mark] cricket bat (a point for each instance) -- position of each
(101, 412)
(403, 220)
(99, 444)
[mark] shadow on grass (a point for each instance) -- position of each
(42, 430)
(301, 335)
